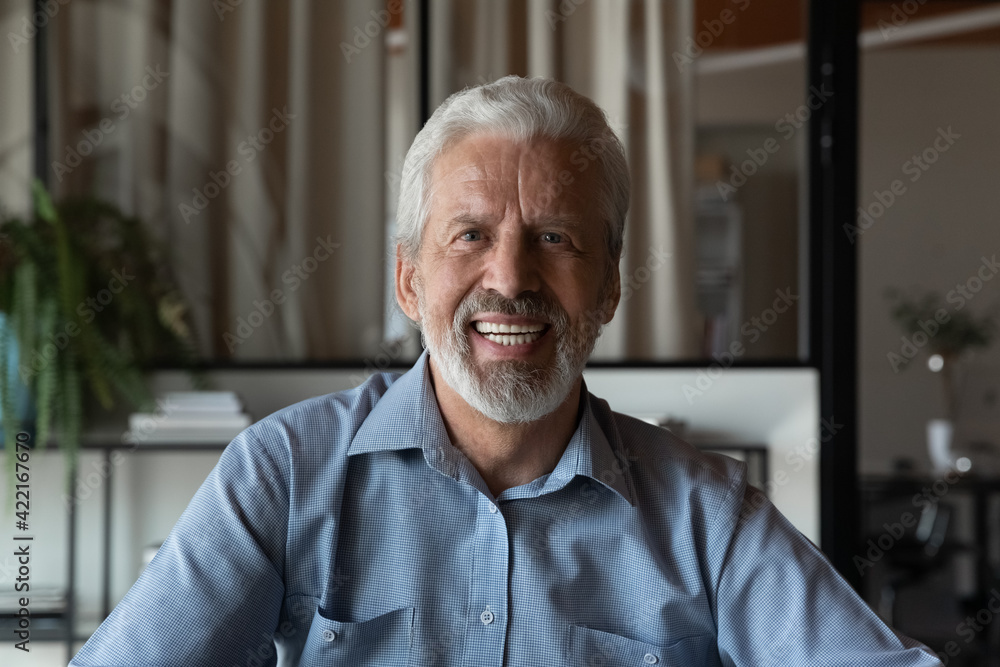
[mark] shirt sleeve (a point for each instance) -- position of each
(780, 601)
(214, 589)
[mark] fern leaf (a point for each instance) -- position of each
(25, 308)
(71, 413)
(43, 202)
(47, 378)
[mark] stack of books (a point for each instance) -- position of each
(190, 416)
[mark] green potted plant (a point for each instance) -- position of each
(89, 304)
(928, 321)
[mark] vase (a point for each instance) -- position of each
(939, 440)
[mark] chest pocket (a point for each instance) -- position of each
(593, 648)
(383, 641)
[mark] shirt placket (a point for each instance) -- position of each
(488, 608)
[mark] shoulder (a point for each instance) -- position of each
(667, 471)
(318, 426)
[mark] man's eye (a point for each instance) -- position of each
(552, 237)
(472, 236)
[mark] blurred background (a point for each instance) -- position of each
(256, 147)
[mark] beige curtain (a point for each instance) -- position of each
(16, 126)
(619, 53)
(260, 140)
(258, 157)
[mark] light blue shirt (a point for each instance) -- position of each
(347, 530)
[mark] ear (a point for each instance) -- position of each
(614, 294)
(406, 294)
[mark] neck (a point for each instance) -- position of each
(506, 455)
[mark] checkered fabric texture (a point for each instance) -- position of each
(347, 530)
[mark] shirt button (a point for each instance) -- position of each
(329, 635)
(650, 659)
(493, 508)
(486, 617)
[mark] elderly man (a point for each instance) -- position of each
(484, 508)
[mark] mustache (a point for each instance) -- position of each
(535, 306)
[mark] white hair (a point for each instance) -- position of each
(521, 110)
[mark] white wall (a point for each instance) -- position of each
(931, 237)
(775, 407)
(934, 235)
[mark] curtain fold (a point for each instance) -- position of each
(16, 127)
(259, 142)
(256, 156)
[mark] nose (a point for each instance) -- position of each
(511, 266)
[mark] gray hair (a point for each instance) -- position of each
(521, 110)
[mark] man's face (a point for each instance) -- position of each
(513, 279)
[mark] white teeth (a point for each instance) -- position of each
(510, 334)
(512, 340)
(493, 327)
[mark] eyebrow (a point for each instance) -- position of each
(470, 219)
(465, 220)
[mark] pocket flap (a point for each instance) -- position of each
(596, 647)
(383, 640)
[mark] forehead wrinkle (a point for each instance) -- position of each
(545, 166)
(512, 177)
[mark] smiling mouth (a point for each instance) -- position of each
(510, 334)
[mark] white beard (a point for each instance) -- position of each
(509, 391)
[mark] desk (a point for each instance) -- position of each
(914, 492)
(107, 448)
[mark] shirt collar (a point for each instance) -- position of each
(407, 417)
